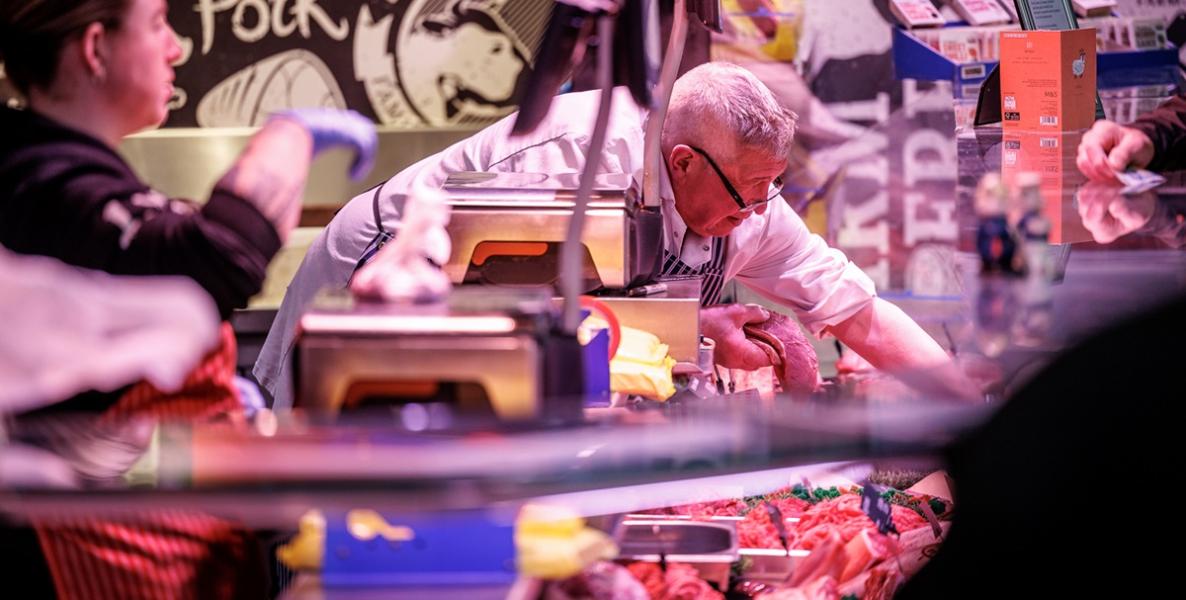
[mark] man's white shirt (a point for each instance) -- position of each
(774, 254)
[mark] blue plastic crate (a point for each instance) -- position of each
(914, 59)
(456, 548)
(596, 369)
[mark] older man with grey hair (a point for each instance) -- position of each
(726, 142)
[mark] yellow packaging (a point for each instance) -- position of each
(642, 366)
(552, 542)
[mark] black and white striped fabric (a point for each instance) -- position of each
(712, 272)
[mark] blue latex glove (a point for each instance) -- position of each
(331, 127)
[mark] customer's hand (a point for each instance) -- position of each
(1108, 214)
(1108, 147)
(723, 324)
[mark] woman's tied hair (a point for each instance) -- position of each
(33, 33)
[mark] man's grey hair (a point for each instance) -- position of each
(720, 94)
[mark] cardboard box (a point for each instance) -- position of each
(1052, 156)
(1048, 79)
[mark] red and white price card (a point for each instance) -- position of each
(1095, 8)
(981, 12)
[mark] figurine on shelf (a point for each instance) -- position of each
(1036, 260)
(1032, 224)
(1032, 229)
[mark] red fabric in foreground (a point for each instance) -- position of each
(163, 555)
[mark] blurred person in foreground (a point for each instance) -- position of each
(92, 72)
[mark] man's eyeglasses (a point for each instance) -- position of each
(775, 186)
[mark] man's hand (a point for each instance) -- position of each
(1108, 214)
(1108, 148)
(723, 324)
(891, 341)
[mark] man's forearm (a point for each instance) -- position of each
(891, 341)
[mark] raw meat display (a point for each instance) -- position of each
(677, 582)
(600, 581)
(848, 557)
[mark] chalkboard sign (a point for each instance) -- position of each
(406, 63)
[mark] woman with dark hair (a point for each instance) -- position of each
(91, 72)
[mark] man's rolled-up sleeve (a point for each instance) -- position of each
(1166, 128)
(787, 264)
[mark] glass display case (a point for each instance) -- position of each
(443, 495)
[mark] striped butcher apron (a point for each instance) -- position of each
(712, 272)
